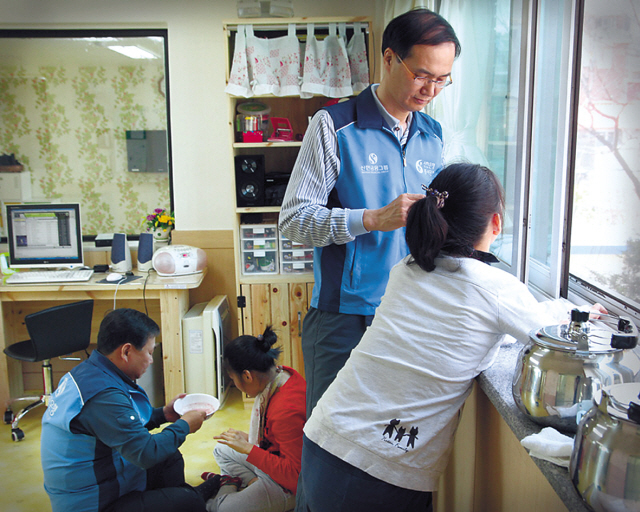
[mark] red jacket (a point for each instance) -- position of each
(281, 450)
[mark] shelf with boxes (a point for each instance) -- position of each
(265, 252)
(274, 275)
(272, 98)
(262, 169)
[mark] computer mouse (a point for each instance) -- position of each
(114, 276)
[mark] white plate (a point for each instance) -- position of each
(196, 401)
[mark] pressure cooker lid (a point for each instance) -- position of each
(596, 340)
(585, 336)
(624, 401)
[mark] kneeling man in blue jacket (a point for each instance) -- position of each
(97, 451)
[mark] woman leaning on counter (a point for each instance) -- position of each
(380, 436)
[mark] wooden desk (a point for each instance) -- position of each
(165, 298)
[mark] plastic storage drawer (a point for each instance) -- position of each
(295, 258)
(259, 248)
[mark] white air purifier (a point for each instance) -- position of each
(206, 328)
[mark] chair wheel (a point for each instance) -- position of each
(8, 417)
(17, 434)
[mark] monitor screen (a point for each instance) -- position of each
(44, 235)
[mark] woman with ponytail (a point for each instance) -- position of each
(385, 425)
(260, 468)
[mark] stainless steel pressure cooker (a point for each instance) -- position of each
(605, 461)
(563, 366)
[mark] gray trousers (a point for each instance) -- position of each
(327, 341)
(263, 495)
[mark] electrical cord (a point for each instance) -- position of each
(116, 291)
(144, 291)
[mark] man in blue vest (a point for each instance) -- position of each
(361, 166)
(96, 449)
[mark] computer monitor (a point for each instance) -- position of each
(44, 235)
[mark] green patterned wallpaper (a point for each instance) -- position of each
(67, 125)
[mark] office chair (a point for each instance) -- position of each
(54, 332)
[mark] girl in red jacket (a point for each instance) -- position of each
(260, 469)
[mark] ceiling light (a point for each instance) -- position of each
(133, 52)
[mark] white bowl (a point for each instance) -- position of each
(197, 401)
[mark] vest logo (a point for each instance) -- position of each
(374, 167)
(425, 167)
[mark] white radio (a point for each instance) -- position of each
(179, 260)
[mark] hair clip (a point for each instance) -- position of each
(440, 196)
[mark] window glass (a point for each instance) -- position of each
(85, 113)
(605, 236)
(481, 113)
(549, 145)
(503, 147)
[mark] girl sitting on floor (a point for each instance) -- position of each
(260, 469)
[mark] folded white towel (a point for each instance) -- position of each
(551, 445)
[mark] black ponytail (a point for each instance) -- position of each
(256, 353)
(458, 222)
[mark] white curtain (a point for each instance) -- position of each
(461, 106)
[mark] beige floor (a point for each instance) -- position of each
(21, 474)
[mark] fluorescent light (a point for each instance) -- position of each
(134, 52)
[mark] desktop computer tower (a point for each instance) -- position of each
(206, 328)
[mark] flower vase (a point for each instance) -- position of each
(161, 238)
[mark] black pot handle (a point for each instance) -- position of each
(634, 412)
(627, 337)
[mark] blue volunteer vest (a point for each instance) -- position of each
(374, 170)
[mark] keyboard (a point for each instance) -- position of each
(50, 276)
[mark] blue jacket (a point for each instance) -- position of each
(374, 170)
(81, 473)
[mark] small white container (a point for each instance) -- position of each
(195, 402)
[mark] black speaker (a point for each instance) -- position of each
(145, 252)
(120, 254)
(250, 183)
(275, 185)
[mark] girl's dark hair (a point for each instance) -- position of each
(418, 26)
(252, 352)
(475, 194)
(125, 325)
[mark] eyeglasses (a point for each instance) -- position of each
(424, 80)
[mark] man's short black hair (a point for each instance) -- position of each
(418, 26)
(125, 325)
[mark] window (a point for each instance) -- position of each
(550, 100)
(605, 234)
(69, 102)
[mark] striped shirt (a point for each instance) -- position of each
(304, 216)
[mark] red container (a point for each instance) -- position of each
(252, 136)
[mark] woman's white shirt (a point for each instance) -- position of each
(393, 409)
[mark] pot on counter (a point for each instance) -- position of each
(563, 366)
(605, 461)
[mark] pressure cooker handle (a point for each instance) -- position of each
(634, 412)
(628, 335)
(579, 316)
